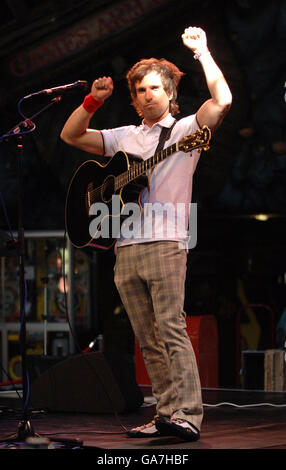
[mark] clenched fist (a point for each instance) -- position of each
(195, 39)
(102, 88)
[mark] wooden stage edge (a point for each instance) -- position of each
(233, 420)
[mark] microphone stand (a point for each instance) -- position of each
(25, 428)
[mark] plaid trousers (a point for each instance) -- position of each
(150, 278)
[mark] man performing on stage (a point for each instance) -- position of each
(150, 270)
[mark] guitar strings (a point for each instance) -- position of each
(133, 172)
(120, 180)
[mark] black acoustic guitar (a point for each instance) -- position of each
(96, 183)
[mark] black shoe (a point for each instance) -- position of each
(147, 430)
(177, 427)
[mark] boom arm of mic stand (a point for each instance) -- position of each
(27, 126)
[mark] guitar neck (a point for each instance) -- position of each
(200, 139)
(140, 168)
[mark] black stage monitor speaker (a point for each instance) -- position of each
(89, 383)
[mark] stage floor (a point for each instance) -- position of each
(234, 419)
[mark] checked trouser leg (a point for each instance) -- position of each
(150, 278)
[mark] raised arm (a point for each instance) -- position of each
(213, 111)
(76, 130)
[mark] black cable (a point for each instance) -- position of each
(12, 240)
(25, 406)
(78, 346)
(6, 216)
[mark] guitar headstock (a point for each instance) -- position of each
(200, 139)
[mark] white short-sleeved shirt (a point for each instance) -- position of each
(166, 205)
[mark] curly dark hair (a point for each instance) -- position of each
(169, 73)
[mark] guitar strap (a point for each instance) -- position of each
(164, 136)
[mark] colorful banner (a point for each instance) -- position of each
(76, 38)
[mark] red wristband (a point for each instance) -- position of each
(90, 104)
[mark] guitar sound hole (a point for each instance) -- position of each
(107, 189)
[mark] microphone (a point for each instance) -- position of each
(60, 89)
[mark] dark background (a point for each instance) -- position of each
(238, 259)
